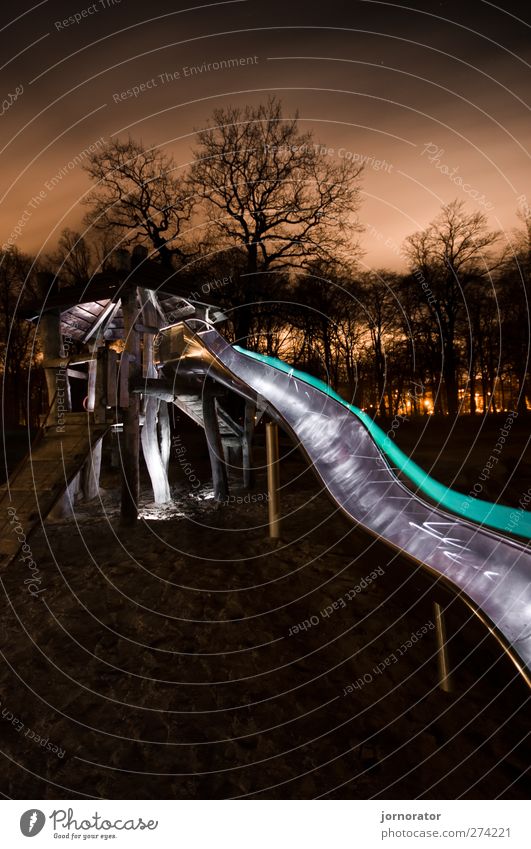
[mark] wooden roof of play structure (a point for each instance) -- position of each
(93, 309)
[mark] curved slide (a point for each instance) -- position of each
(348, 453)
(509, 520)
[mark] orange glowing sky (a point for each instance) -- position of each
(371, 79)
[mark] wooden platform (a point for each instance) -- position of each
(56, 459)
(231, 432)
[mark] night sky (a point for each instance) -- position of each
(434, 95)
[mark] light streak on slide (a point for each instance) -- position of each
(351, 456)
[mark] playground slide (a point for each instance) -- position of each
(491, 572)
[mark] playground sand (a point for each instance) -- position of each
(192, 657)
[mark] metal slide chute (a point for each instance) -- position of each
(491, 572)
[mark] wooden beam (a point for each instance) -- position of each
(100, 391)
(215, 448)
(112, 358)
(123, 377)
(79, 375)
(91, 472)
(104, 318)
(64, 362)
(91, 386)
(147, 330)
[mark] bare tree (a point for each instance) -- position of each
(453, 251)
(73, 258)
(139, 193)
(270, 191)
(16, 333)
(380, 302)
(514, 294)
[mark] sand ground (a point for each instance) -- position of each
(160, 659)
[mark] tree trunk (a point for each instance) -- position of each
(522, 387)
(472, 390)
(325, 328)
(166, 256)
(243, 315)
(450, 378)
(242, 325)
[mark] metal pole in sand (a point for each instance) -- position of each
(273, 479)
(442, 650)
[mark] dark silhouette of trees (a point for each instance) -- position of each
(515, 307)
(17, 285)
(380, 301)
(140, 193)
(269, 192)
(278, 253)
(73, 259)
(480, 334)
(454, 250)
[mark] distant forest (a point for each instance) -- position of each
(267, 226)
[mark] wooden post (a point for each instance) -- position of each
(56, 383)
(273, 479)
(156, 465)
(247, 444)
(115, 449)
(91, 472)
(111, 385)
(100, 387)
(152, 456)
(215, 448)
(165, 434)
(123, 381)
(64, 506)
(91, 384)
(443, 663)
(49, 332)
(131, 412)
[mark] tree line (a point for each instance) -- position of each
(267, 225)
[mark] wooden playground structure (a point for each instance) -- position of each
(110, 386)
